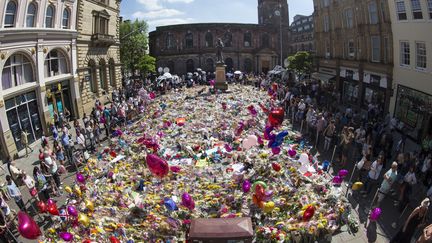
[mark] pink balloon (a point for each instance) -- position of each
(80, 178)
(27, 227)
(375, 214)
(66, 236)
(186, 199)
(175, 168)
(337, 180)
(72, 211)
(157, 166)
(152, 95)
(246, 186)
(343, 173)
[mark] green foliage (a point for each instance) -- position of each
(134, 46)
(301, 62)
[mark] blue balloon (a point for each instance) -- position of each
(170, 204)
(281, 136)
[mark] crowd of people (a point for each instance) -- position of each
(361, 141)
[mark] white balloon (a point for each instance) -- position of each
(304, 159)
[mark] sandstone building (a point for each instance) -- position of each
(302, 34)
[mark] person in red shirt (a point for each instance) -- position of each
(41, 155)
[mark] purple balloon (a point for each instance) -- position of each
(246, 186)
(276, 150)
(72, 211)
(343, 173)
(375, 214)
(187, 200)
(292, 153)
(80, 178)
(337, 180)
(66, 236)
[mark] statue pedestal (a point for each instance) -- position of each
(221, 83)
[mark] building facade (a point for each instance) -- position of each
(248, 47)
(99, 68)
(37, 65)
(412, 43)
(354, 51)
(302, 34)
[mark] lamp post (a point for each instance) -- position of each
(278, 12)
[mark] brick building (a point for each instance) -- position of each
(248, 47)
(354, 51)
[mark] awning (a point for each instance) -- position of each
(323, 77)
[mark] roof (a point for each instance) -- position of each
(221, 228)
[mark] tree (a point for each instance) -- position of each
(134, 46)
(300, 63)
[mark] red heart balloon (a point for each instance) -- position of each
(259, 192)
(276, 117)
(157, 166)
(42, 207)
(113, 239)
(276, 167)
(308, 213)
(52, 209)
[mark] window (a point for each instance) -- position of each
(100, 22)
(327, 49)
(351, 49)
(247, 39)
(49, 17)
(170, 42)
(11, 9)
(190, 66)
(210, 65)
(17, 71)
(265, 41)
(209, 40)
(65, 20)
(228, 39)
(404, 53)
(325, 3)
(383, 10)
(92, 76)
(416, 9)
(376, 50)
(373, 13)
(102, 75)
(421, 55)
(349, 18)
(386, 49)
(248, 65)
(326, 23)
(112, 75)
(401, 10)
(55, 64)
(189, 40)
(429, 2)
(31, 15)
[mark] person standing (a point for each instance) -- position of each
(24, 141)
(416, 219)
(389, 178)
(53, 168)
(41, 183)
(426, 236)
(373, 175)
(31, 186)
(328, 135)
(15, 193)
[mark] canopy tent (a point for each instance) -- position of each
(167, 75)
(322, 76)
(238, 72)
(277, 70)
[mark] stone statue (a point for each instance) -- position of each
(220, 46)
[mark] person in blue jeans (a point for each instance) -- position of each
(15, 193)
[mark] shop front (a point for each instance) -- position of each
(349, 78)
(414, 109)
(375, 93)
(23, 115)
(59, 99)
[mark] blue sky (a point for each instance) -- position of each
(166, 12)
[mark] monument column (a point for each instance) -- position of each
(220, 83)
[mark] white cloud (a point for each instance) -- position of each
(169, 21)
(160, 13)
(158, 4)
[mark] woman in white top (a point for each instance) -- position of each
(31, 186)
(409, 181)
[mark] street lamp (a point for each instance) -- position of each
(278, 12)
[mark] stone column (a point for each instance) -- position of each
(74, 84)
(41, 89)
(8, 147)
(99, 88)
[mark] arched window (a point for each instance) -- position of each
(170, 42)
(208, 40)
(248, 65)
(31, 15)
(210, 65)
(265, 41)
(247, 39)
(112, 72)
(55, 64)
(190, 66)
(49, 17)
(102, 75)
(228, 39)
(189, 40)
(171, 66)
(92, 76)
(10, 14)
(65, 20)
(229, 65)
(17, 71)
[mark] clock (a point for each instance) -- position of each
(277, 13)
